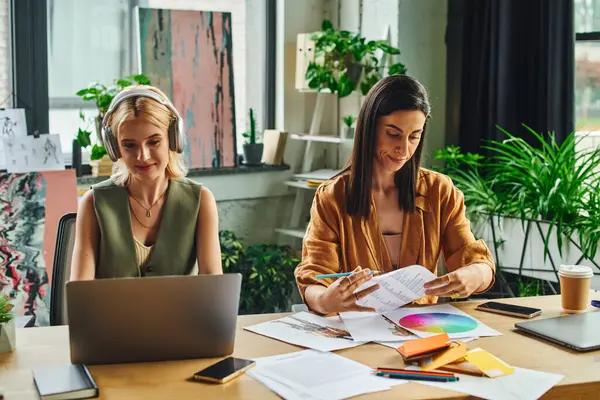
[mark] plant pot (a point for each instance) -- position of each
(348, 132)
(102, 167)
(354, 72)
(76, 160)
(8, 340)
(253, 153)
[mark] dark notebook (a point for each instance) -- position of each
(72, 381)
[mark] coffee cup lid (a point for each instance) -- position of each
(576, 271)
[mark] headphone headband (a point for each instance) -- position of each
(119, 98)
(176, 127)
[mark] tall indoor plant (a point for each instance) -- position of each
(348, 61)
(547, 182)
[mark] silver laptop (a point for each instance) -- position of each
(153, 318)
(579, 332)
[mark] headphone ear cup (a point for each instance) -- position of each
(176, 136)
(111, 145)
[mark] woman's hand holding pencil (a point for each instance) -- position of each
(340, 296)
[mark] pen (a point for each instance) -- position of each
(415, 377)
(340, 275)
(596, 303)
(413, 372)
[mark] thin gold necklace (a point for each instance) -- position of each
(148, 213)
(138, 220)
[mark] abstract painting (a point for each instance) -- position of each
(30, 206)
(188, 55)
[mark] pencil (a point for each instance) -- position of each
(341, 274)
(416, 377)
(413, 372)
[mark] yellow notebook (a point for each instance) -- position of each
(488, 364)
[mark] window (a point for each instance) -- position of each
(587, 65)
(78, 55)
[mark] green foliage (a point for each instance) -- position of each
(549, 182)
(5, 309)
(529, 289)
(251, 135)
(102, 96)
(350, 62)
(349, 120)
(267, 274)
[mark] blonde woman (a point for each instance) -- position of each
(147, 219)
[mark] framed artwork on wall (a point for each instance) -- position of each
(188, 55)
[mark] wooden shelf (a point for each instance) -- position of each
(317, 175)
(297, 233)
(320, 138)
(300, 185)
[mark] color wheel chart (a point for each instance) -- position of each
(438, 323)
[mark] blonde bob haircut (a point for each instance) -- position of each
(150, 111)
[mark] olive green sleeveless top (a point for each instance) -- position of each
(174, 252)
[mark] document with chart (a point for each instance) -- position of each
(398, 288)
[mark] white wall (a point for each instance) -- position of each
(5, 86)
(421, 33)
(417, 29)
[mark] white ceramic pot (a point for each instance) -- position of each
(8, 339)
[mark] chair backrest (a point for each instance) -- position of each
(61, 270)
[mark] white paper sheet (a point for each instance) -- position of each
(12, 124)
(523, 384)
(308, 330)
(372, 326)
(282, 390)
(437, 319)
(311, 374)
(28, 154)
(398, 288)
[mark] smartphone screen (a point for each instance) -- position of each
(525, 311)
(224, 369)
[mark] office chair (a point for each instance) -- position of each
(61, 269)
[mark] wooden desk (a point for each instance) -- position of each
(40, 347)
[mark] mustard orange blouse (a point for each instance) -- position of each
(336, 242)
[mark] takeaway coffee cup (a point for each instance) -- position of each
(575, 287)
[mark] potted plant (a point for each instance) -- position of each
(102, 95)
(348, 61)
(268, 274)
(537, 204)
(252, 150)
(7, 326)
(348, 129)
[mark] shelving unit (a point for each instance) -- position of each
(296, 227)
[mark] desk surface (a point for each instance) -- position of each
(41, 347)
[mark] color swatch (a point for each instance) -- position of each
(438, 323)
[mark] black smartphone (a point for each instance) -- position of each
(224, 370)
(509, 309)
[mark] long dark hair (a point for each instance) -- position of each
(393, 93)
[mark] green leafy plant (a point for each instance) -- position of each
(102, 95)
(251, 134)
(349, 120)
(529, 289)
(5, 309)
(267, 273)
(547, 181)
(349, 61)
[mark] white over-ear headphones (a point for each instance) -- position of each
(176, 127)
